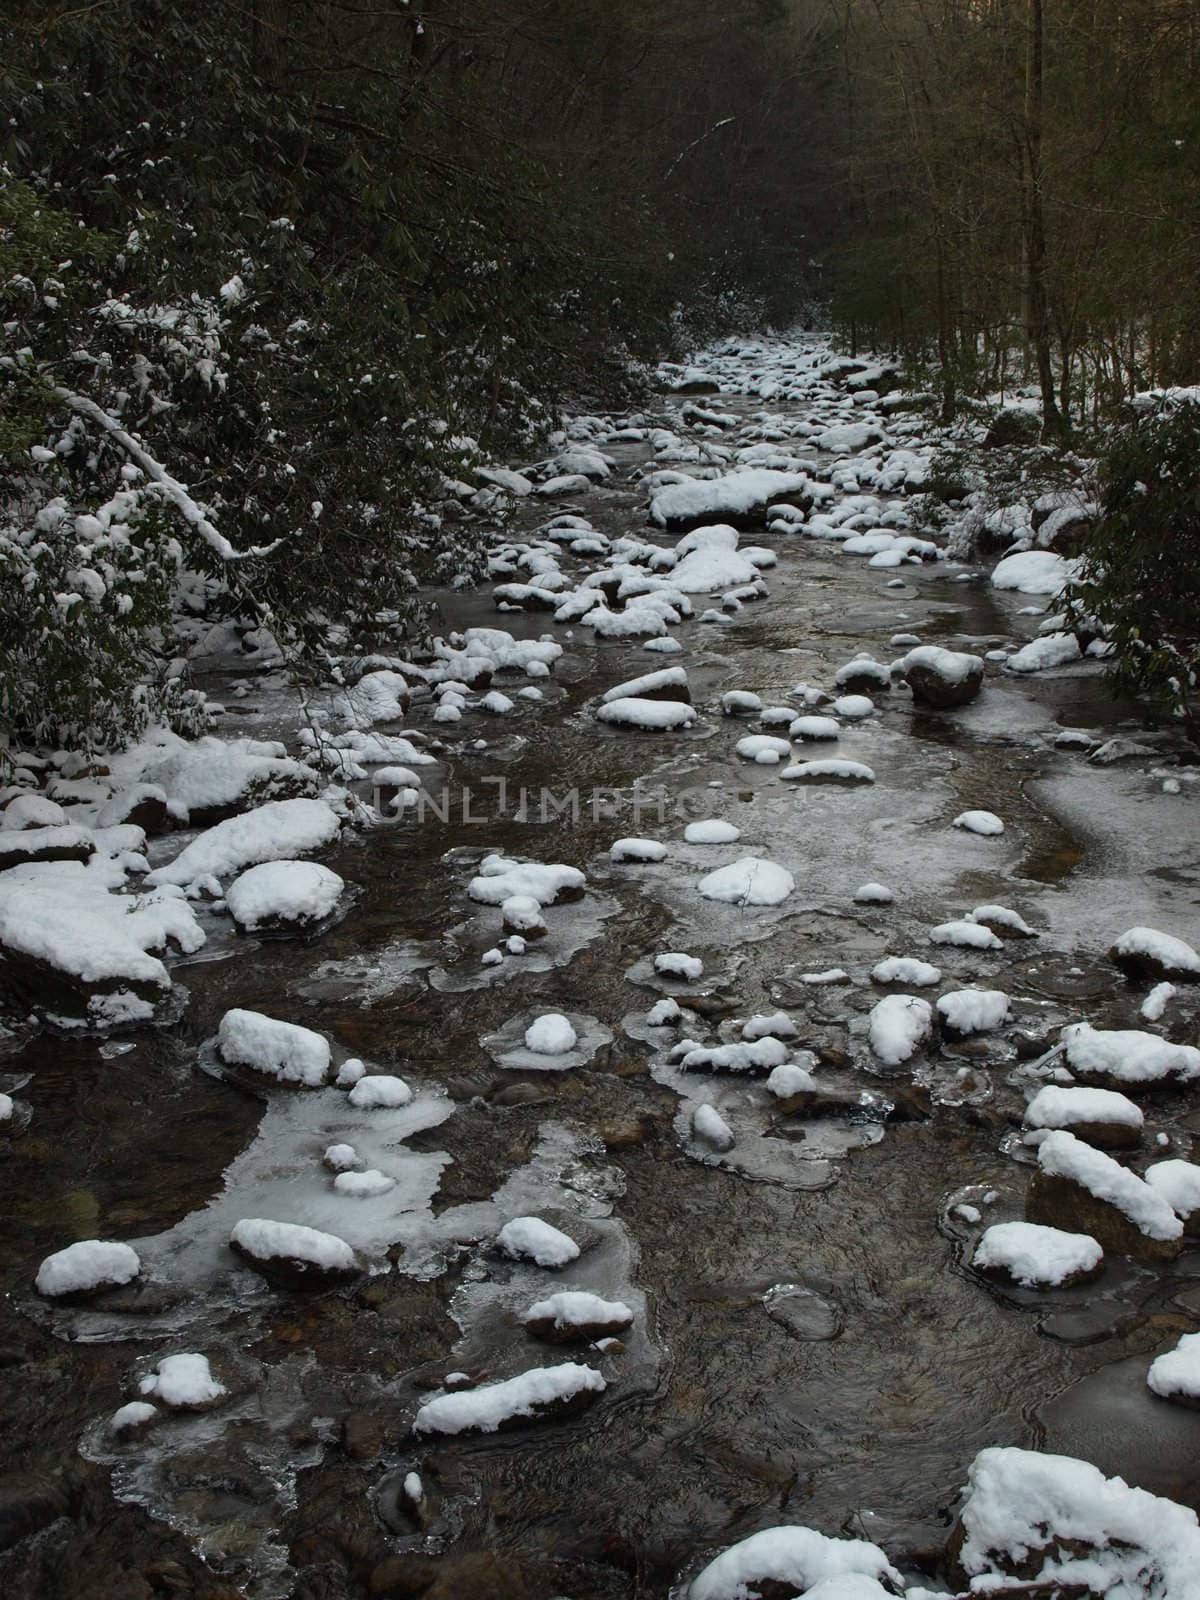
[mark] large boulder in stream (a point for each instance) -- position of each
(293, 1256)
(1082, 1190)
(940, 678)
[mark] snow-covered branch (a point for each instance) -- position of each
(176, 491)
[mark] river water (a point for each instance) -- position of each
(808, 1344)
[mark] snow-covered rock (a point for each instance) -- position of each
(1038, 1257)
(1085, 1191)
(790, 1560)
(678, 964)
(637, 850)
(986, 823)
(544, 1393)
(712, 831)
(898, 1027)
(940, 678)
(906, 969)
(740, 498)
(531, 1239)
(1179, 1184)
(86, 1268)
(380, 1091)
(282, 1050)
(752, 881)
(873, 894)
(1061, 1526)
(293, 1255)
(1040, 572)
(1145, 953)
(572, 1316)
(1039, 655)
(829, 771)
(283, 896)
(1121, 1056)
(1101, 1117)
(669, 683)
(183, 1382)
(499, 879)
(550, 1035)
(279, 831)
(1176, 1374)
(710, 1127)
(968, 935)
(652, 716)
(966, 1011)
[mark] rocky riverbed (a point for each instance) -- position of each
(762, 1050)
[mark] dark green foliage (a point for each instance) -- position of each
(1141, 575)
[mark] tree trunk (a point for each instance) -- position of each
(1035, 223)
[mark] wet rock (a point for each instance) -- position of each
(1029, 1046)
(472, 1576)
(29, 1502)
(910, 1102)
(1061, 1203)
(364, 1435)
(627, 1133)
(803, 1312)
(521, 1094)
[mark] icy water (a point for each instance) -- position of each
(808, 1345)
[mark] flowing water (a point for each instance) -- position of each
(808, 1344)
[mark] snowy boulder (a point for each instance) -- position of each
(278, 831)
(829, 771)
(741, 499)
(1100, 1117)
(637, 850)
(1050, 1525)
(381, 1091)
(282, 897)
(1082, 1190)
(813, 728)
(985, 823)
(967, 935)
(941, 678)
(1118, 1057)
(531, 1239)
(23, 847)
(184, 1383)
(742, 1056)
(73, 949)
(862, 675)
(130, 1420)
(1039, 655)
(679, 965)
(282, 1050)
(671, 683)
(710, 1127)
(1144, 953)
(967, 1011)
(854, 707)
(522, 914)
(1037, 1257)
(500, 878)
(574, 1317)
(714, 830)
(906, 969)
(740, 703)
(545, 1394)
(1003, 921)
(899, 1026)
(751, 881)
(30, 810)
(1039, 572)
(1179, 1184)
(794, 1561)
(1176, 1375)
(848, 438)
(213, 779)
(293, 1256)
(550, 1035)
(763, 748)
(87, 1268)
